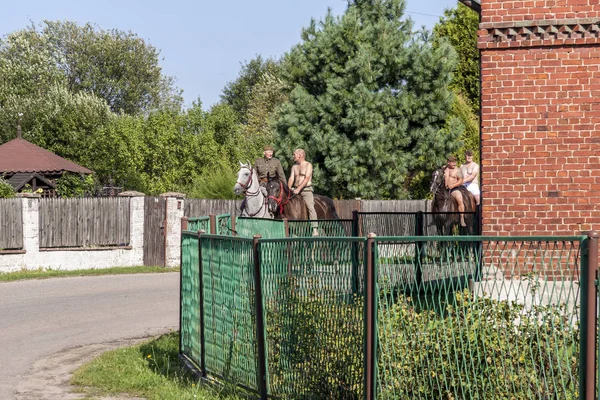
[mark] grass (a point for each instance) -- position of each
(150, 370)
(54, 273)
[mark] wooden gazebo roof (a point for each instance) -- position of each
(20, 156)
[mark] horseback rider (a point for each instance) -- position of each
(470, 171)
(301, 183)
(268, 166)
(454, 180)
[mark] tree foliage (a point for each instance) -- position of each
(117, 66)
(369, 100)
(459, 27)
(6, 189)
(75, 185)
(239, 93)
(58, 120)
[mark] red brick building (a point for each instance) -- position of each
(540, 115)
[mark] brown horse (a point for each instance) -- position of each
(445, 207)
(284, 204)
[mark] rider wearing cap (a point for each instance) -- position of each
(268, 166)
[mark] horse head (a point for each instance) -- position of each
(244, 179)
(275, 194)
(437, 180)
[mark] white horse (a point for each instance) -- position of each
(255, 203)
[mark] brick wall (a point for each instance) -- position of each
(540, 116)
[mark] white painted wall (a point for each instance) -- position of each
(74, 259)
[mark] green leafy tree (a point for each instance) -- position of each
(6, 189)
(215, 184)
(459, 27)
(27, 66)
(238, 93)
(117, 66)
(267, 95)
(75, 185)
(369, 102)
(57, 120)
(470, 136)
(221, 121)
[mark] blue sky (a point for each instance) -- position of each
(203, 42)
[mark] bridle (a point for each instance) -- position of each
(248, 193)
(248, 182)
(437, 183)
(279, 199)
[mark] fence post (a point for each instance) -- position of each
(589, 319)
(233, 232)
(355, 228)
(184, 226)
(354, 272)
(213, 224)
(419, 231)
(201, 295)
(370, 311)
(260, 322)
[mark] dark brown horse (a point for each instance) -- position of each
(447, 207)
(283, 203)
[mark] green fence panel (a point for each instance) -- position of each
(190, 298)
(267, 228)
(514, 334)
(326, 227)
(412, 223)
(200, 223)
(313, 317)
(229, 317)
(224, 224)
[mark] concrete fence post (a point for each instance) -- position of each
(174, 213)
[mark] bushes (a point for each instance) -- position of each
(479, 348)
(6, 190)
(314, 343)
(482, 348)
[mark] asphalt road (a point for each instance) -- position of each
(39, 318)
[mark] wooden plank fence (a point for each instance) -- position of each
(201, 207)
(84, 222)
(11, 221)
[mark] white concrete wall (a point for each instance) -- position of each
(74, 259)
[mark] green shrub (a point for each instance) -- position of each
(217, 184)
(315, 343)
(462, 347)
(6, 189)
(480, 349)
(74, 185)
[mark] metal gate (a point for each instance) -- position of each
(155, 210)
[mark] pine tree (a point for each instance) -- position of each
(368, 103)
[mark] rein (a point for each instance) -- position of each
(279, 199)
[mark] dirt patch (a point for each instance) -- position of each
(49, 378)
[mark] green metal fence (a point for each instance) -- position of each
(325, 227)
(394, 317)
(313, 318)
(190, 297)
(513, 334)
(267, 228)
(200, 223)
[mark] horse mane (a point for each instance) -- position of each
(284, 184)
